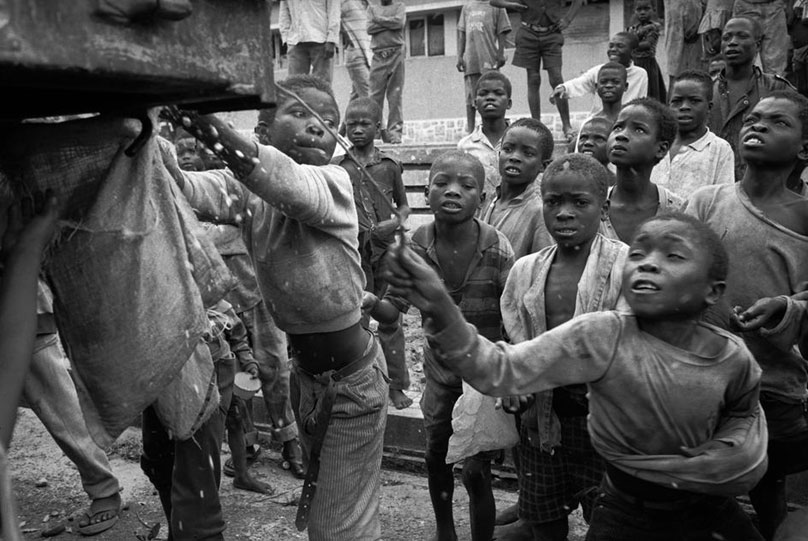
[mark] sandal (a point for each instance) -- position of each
(91, 522)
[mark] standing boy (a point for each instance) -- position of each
(310, 28)
(640, 138)
(473, 260)
(764, 227)
(581, 273)
(363, 121)
(301, 230)
(386, 28)
(682, 44)
(492, 98)
(538, 44)
(697, 157)
(620, 49)
(481, 32)
(516, 208)
(673, 401)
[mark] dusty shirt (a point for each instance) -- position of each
(477, 144)
(646, 397)
(230, 244)
(482, 24)
(767, 260)
(315, 21)
(726, 118)
(707, 160)
(521, 220)
(524, 317)
(386, 25)
(585, 84)
(301, 229)
(649, 33)
(668, 202)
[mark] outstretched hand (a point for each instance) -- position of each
(766, 312)
(28, 224)
(411, 277)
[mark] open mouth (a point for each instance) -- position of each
(512, 171)
(451, 206)
(644, 286)
(565, 231)
(752, 141)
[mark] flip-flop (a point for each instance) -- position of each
(96, 528)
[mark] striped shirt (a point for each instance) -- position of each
(478, 296)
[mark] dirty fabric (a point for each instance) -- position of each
(124, 271)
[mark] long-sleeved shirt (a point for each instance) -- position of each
(707, 160)
(524, 316)
(585, 84)
(767, 260)
(301, 229)
(521, 220)
(647, 398)
(316, 21)
(386, 25)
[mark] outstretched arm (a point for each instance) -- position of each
(509, 4)
(29, 226)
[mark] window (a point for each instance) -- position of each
(427, 36)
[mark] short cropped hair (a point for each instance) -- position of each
(705, 238)
(757, 29)
(632, 38)
(296, 83)
(367, 105)
(614, 66)
(697, 76)
(546, 142)
(602, 120)
(494, 75)
(797, 99)
(476, 164)
(583, 165)
(665, 119)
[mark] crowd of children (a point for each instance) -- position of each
(640, 303)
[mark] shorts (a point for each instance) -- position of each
(470, 82)
(552, 486)
(534, 50)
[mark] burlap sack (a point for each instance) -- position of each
(123, 272)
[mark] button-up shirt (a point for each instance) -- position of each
(315, 21)
(726, 118)
(707, 160)
(478, 145)
(521, 220)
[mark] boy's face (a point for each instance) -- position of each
(611, 85)
(520, 160)
(360, 127)
(643, 11)
(299, 135)
(573, 209)
(772, 133)
(592, 140)
(634, 140)
(619, 50)
(454, 193)
(187, 155)
(738, 42)
(690, 105)
(666, 273)
(491, 99)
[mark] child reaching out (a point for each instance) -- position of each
(581, 273)
(673, 401)
(640, 138)
(301, 229)
(647, 30)
(473, 260)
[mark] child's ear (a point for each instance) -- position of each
(482, 199)
(604, 210)
(717, 289)
(510, 103)
(662, 149)
(803, 153)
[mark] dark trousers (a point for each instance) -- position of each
(187, 473)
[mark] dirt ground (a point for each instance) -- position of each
(406, 513)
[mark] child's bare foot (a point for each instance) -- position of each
(253, 485)
(399, 399)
